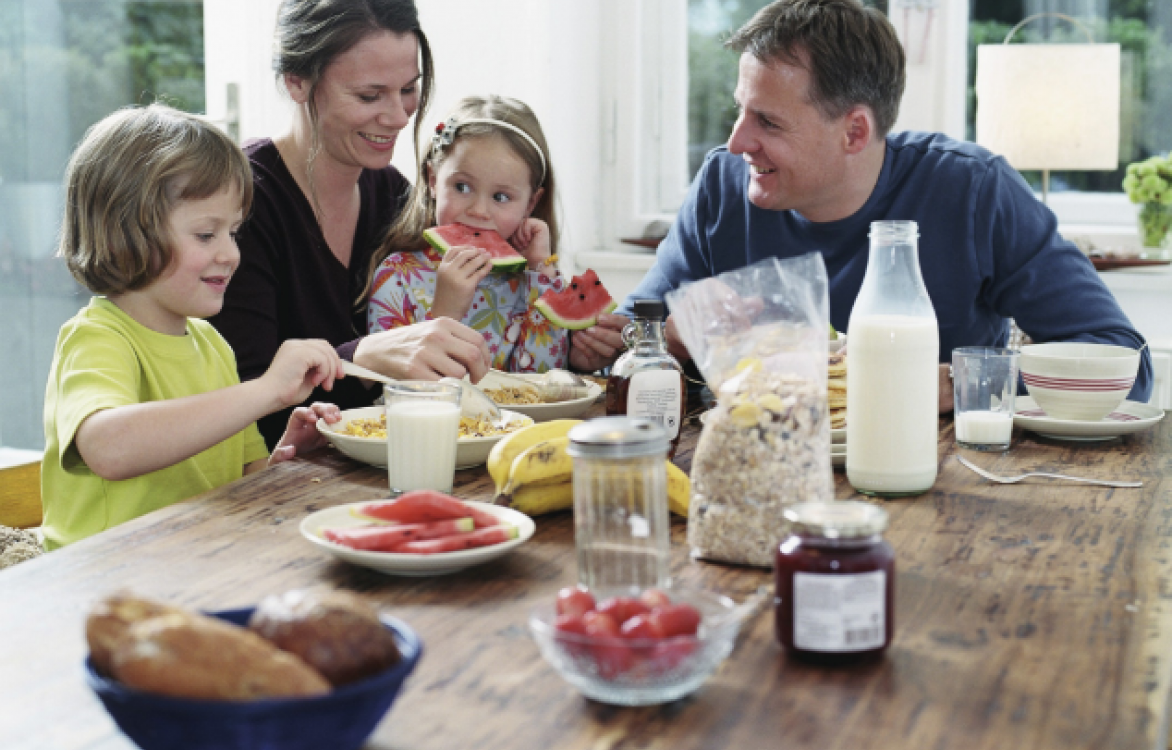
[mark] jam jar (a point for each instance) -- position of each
(835, 583)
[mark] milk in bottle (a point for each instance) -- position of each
(893, 378)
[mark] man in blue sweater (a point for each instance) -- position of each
(810, 165)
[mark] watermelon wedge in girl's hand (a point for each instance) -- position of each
(504, 256)
(578, 305)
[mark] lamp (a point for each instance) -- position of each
(1049, 106)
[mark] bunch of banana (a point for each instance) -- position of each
(534, 473)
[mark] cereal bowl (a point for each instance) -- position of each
(640, 672)
(1078, 381)
(469, 451)
(341, 719)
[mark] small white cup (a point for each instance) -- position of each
(984, 385)
(423, 427)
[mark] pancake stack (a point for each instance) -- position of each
(836, 390)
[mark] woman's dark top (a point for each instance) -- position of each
(291, 286)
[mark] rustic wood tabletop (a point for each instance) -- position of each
(1035, 615)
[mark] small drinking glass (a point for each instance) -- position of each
(423, 425)
(984, 384)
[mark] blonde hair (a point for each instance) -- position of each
(406, 232)
(122, 182)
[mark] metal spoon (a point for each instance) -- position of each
(473, 401)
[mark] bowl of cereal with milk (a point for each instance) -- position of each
(362, 435)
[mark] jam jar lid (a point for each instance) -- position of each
(841, 519)
(617, 437)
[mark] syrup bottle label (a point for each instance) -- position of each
(655, 395)
(839, 613)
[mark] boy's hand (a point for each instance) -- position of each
(458, 275)
(299, 367)
(301, 435)
(532, 240)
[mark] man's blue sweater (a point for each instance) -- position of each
(989, 250)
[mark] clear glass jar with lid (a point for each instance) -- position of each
(834, 582)
(647, 381)
(621, 527)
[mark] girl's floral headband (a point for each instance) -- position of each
(445, 133)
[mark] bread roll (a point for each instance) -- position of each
(336, 632)
(111, 618)
(194, 656)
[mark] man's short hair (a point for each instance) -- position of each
(122, 183)
(852, 53)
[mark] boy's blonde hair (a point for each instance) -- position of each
(122, 182)
(406, 232)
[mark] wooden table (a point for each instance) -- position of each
(1028, 616)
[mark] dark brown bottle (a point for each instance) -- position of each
(646, 381)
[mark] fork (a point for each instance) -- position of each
(1014, 480)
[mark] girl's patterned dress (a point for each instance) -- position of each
(519, 338)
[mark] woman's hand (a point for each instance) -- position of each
(945, 388)
(459, 273)
(425, 351)
(599, 345)
(532, 240)
(301, 435)
(300, 366)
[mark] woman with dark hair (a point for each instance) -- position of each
(325, 193)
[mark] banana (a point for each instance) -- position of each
(535, 500)
(500, 460)
(679, 490)
(544, 463)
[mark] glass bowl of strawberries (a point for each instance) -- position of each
(635, 648)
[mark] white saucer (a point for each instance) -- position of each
(1129, 417)
(838, 454)
(838, 436)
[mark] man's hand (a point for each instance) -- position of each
(675, 345)
(426, 351)
(600, 345)
(945, 388)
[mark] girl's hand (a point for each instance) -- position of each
(532, 240)
(299, 367)
(459, 273)
(301, 436)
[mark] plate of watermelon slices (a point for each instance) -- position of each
(420, 533)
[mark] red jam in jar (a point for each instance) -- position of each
(834, 577)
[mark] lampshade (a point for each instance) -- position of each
(1049, 106)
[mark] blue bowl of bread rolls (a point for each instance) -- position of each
(265, 683)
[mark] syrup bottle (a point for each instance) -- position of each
(646, 381)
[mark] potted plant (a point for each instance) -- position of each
(1149, 183)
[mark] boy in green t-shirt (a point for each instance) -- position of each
(144, 407)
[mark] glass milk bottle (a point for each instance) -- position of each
(621, 526)
(647, 381)
(893, 351)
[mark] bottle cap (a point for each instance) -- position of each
(650, 309)
(841, 519)
(617, 437)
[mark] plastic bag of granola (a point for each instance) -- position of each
(758, 335)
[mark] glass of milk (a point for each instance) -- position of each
(984, 384)
(423, 425)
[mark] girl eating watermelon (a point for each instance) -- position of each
(477, 239)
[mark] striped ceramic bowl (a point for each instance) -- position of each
(1078, 381)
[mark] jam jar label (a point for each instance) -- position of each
(839, 613)
(655, 395)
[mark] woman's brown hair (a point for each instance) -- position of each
(311, 34)
(406, 232)
(121, 183)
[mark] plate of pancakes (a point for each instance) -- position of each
(836, 402)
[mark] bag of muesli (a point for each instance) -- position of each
(758, 335)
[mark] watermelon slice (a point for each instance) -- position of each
(384, 538)
(424, 506)
(457, 542)
(504, 257)
(578, 305)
